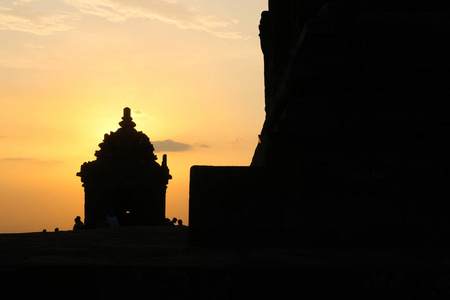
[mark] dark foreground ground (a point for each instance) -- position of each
(158, 263)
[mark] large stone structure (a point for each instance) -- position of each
(125, 179)
(356, 136)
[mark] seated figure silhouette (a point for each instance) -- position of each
(78, 224)
(112, 220)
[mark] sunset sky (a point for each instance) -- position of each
(190, 70)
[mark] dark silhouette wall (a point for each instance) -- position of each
(234, 206)
(357, 121)
(125, 179)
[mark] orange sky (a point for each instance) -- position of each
(190, 70)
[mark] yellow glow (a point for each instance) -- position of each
(63, 85)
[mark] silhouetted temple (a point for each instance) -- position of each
(125, 179)
(355, 146)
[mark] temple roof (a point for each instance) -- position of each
(125, 151)
(127, 119)
(126, 143)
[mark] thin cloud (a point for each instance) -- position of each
(21, 16)
(25, 15)
(202, 145)
(170, 146)
(236, 143)
(166, 11)
(17, 159)
(30, 160)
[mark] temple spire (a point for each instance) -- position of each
(127, 119)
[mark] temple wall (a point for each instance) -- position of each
(233, 205)
(357, 126)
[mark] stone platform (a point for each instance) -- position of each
(158, 262)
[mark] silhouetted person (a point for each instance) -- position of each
(180, 223)
(167, 222)
(111, 219)
(56, 229)
(174, 221)
(78, 224)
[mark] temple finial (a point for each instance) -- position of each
(127, 119)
